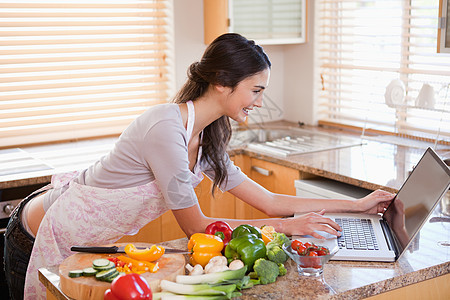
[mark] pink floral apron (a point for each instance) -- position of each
(86, 215)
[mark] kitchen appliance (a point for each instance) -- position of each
(9, 199)
(390, 234)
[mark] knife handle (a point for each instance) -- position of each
(112, 249)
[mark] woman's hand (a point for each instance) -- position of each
(375, 202)
(309, 224)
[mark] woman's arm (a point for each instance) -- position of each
(281, 205)
(192, 219)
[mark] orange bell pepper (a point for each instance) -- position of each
(267, 233)
(137, 266)
(148, 254)
(204, 247)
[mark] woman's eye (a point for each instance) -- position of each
(257, 92)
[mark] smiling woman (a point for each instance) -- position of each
(80, 69)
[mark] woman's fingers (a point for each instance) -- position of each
(317, 222)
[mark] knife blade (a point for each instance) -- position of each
(115, 249)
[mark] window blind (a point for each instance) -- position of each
(364, 45)
(269, 21)
(72, 69)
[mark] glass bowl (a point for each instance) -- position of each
(310, 266)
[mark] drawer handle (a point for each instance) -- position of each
(262, 171)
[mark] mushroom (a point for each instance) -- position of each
(236, 264)
(216, 261)
(217, 268)
(194, 270)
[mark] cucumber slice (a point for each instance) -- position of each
(112, 277)
(75, 273)
(89, 272)
(110, 265)
(102, 275)
(100, 262)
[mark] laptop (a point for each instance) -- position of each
(387, 236)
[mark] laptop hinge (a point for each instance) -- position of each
(390, 239)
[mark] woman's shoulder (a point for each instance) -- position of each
(169, 109)
(157, 117)
(160, 113)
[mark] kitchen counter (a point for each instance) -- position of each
(427, 258)
(371, 165)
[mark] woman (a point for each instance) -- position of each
(155, 165)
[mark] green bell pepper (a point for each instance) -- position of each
(246, 229)
(247, 248)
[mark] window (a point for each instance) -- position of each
(73, 69)
(362, 46)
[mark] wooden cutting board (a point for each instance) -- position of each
(88, 288)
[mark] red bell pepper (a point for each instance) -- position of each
(220, 229)
(129, 287)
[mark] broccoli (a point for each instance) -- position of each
(274, 249)
(265, 271)
(282, 269)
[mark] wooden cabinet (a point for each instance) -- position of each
(267, 22)
(274, 177)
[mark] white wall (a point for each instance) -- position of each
(291, 81)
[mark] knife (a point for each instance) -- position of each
(115, 249)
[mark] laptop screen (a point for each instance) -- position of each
(418, 196)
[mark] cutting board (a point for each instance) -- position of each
(88, 288)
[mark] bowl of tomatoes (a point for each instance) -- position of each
(309, 257)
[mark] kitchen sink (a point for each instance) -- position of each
(290, 141)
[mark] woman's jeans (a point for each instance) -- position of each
(18, 246)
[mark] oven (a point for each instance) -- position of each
(9, 198)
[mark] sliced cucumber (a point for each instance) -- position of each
(89, 272)
(112, 277)
(102, 275)
(110, 265)
(75, 273)
(100, 262)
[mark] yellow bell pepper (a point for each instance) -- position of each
(148, 254)
(203, 247)
(137, 266)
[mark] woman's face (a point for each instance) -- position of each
(247, 94)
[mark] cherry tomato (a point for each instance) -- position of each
(307, 245)
(313, 253)
(295, 244)
(301, 250)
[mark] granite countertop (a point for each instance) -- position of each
(427, 258)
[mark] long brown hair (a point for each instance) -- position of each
(227, 61)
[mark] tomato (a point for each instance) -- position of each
(295, 244)
(313, 253)
(307, 245)
(301, 250)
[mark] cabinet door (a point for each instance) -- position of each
(274, 177)
(266, 21)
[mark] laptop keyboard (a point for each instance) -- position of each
(357, 234)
